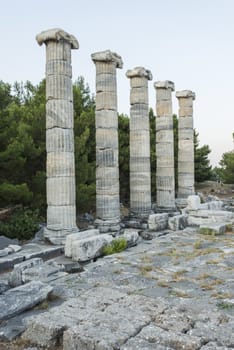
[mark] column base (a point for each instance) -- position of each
(58, 237)
(181, 202)
(167, 210)
(108, 226)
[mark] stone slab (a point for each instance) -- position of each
(16, 300)
(29, 251)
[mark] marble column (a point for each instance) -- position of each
(107, 145)
(60, 167)
(140, 181)
(185, 144)
(165, 173)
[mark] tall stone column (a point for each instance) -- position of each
(165, 173)
(60, 166)
(107, 146)
(140, 181)
(185, 144)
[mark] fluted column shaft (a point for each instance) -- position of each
(165, 173)
(140, 176)
(107, 146)
(60, 167)
(185, 144)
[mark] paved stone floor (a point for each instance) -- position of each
(173, 292)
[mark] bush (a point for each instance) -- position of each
(116, 246)
(22, 224)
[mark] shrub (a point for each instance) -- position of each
(22, 224)
(116, 246)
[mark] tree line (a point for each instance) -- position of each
(23, 150)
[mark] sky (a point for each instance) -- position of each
(190, 42)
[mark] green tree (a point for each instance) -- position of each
(85, 146)
(201, 161)
(123, 121)
(227, 166)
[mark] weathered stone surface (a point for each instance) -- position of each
(193, 202)
(178, 222)
(78, 236)
(60, 164)
(165, 177)
(155, 335)
(212, 229)
(19, 299)
(131, 237)
(106, 120)
(158, 222)
(16, 277)
(30, 251)
(89, 248)
(4, 286)
(140, 181)
(204, 217)
(185, 144)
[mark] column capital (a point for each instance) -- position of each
(107, 56)
(57, 34)
(139, 72)
(185, 94)
(166, 84)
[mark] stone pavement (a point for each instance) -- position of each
(173, 292)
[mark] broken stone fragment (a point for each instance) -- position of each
(16, 300)
(77, 236)
(131, 237)
(90, 248)
(178, 222)
(158, 222)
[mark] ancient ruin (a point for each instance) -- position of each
(165, 174)
(107, 145)
(60, 166)
(185, 144)
(172, 291)
(140, 174)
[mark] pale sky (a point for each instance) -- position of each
(190, 42)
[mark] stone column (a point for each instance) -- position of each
(140, 181)
(165, 173)
(185, 144)
(107, 146)
(60, 167)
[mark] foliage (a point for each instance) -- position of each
(227, 166)
(201, 161)
(123, 121)
(116, 246)
(23, 224)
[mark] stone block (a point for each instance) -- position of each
(16, 300)
(107, 138)
(131, 236)
(212, 229)
(105, 82)
(60, 191)
(59, 67)
(60, 164)
(59, 140)
(57, 114)
(106, 119)
(107, 206)
(70, 239)
(158, 222)
(59, 87)
(106, 100)
(139, 95)
(193, 202)
(178, 222)
(90, 248)
(61, 217)
(16, 277)
(204, 217)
